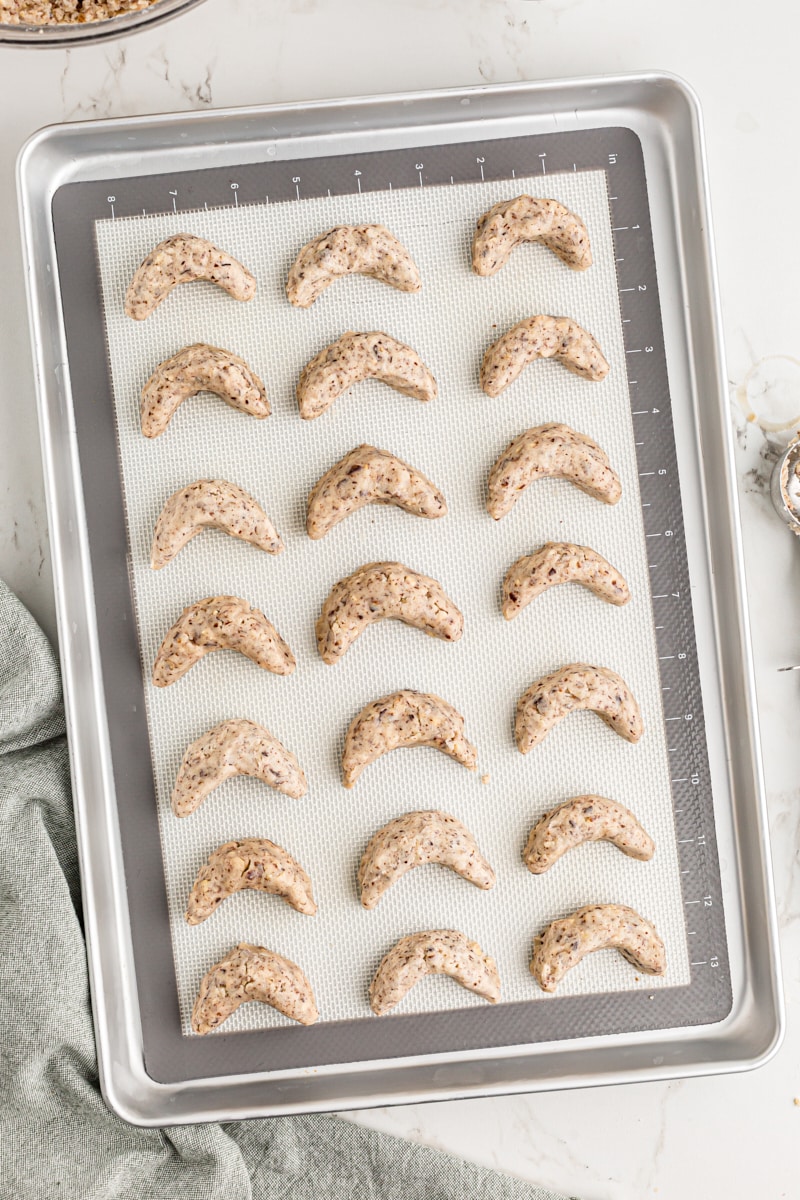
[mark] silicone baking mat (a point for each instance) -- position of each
(453, 440)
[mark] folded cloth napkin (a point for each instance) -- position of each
(57, 1136)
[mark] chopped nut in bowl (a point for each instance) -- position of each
(72, 22)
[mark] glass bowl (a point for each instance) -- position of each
(69, 34)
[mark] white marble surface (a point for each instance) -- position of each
(733, 1136)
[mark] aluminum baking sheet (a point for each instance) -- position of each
(455, 439)
(430, 194)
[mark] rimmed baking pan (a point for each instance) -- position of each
(94, 197)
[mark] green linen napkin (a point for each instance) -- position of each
(57, 1136)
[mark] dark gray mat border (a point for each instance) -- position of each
(169, 1056)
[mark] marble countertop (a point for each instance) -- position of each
(729, 1136)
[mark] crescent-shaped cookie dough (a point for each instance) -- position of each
(412, 841)
(597, 927)
(382, 591)
(208, 503)
(252, 863)
(370, 476)
(404, 718)
(220, 623)
(434, 952)
(236, 747)
(575, 688)
(529, 219)
(350, 250)
(561, 562)
(359, 356)
(541, 336)
(550, 452)
(253, 973)
(585, 819)
(200, 368)
(184, 258)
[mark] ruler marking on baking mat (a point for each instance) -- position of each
(168, 1054)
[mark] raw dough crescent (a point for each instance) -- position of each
(220, 623)
(585, 819)
(184, 258)
(529, 219)
(252, 973)
(370, 476)
(541, 336)
(200, 368)
(205, 504)
(561, 562)
(255, 864)
(413, 840)
(383, 591)
(348, 250)
(358, 356)
(564, 943)
(404, 718)
(236, 747)
(574, 688)
(551, 451)
(434, 952)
